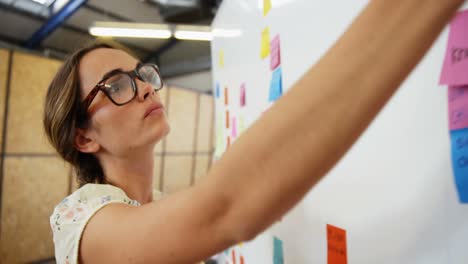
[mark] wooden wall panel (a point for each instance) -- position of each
(205, 124)
(202, 163)
(30, 77)
(157, 172)
(177, 173)
(182, 118)
(4, 60)
(32, 187)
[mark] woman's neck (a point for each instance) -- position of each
(134, 175)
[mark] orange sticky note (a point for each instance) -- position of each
(266, 6)
(227, 119)
(265, 47)
(233, 257)
(336, 240)
(226, 96)
(242, 260)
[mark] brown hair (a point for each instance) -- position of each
(63, 114)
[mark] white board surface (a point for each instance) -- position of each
(394, 191)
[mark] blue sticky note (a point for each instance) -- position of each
(459, 139)
(277, 251)
(276, 85)
(217, 92)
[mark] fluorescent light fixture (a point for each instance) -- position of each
(193, 35)
(130, 30)
(190, 32)
(226, 33)
(181, 3)
(140, 30)
(42, 2)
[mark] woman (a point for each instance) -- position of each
(103, 114)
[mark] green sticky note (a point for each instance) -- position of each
(277, 251)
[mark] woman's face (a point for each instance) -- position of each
(120, 130)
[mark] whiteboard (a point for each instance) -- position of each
(394, 191)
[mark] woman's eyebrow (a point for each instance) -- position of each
(109, 73)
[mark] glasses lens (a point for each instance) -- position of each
(149, 74)
(119, 88)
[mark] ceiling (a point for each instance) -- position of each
(20, 20)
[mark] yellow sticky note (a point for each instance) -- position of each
(265, 49)
(221, 58)
(266, 6)
(241, 124)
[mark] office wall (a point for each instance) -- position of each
(33, 178)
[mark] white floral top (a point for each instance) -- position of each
(72, 214)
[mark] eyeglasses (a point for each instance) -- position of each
(120, 87)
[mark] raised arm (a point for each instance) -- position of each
(286, 152)
(307, 131)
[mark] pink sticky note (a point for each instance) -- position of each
(234, 128)
(242, 95)
(454, 70)
(275, 52)
(458, 107)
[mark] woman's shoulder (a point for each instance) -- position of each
(83, 202)
(95, 194)
(72, 214)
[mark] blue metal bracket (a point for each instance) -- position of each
(54, 22)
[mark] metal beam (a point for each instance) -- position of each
(71, 28)
(157, 53)
(54, 22)
(103, 12)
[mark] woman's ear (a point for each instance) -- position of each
(84, 142)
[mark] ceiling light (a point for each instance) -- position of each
(226, 33)
(42, 2)
(130, 30)
(192, 32)
(193, 35)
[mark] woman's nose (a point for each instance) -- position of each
(144, 89)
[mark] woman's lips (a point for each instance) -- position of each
(155, 108)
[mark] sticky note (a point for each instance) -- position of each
(265, 47)
(241, 124)
(455, 63)
(242, 261)
(217, 90)
(458, 107)
(233, 256)
(277, 251)
(266, 7)
(221, 58)
(459, 142)
(226, 96)
(228, 142)
(276, 85)
(227, 119)
(234, 128)
(275, 58)
(336, 242)
(242, 94)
